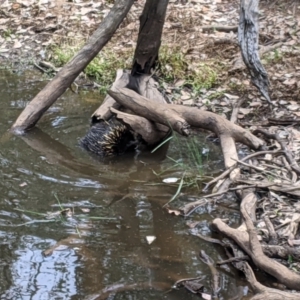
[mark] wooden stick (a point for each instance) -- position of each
(55, 88)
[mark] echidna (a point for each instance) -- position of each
(109, 139)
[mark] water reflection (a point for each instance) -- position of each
(32, 276)
(88, 257)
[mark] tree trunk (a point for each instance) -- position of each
(248, 41)
(149, 39)
(56, 87)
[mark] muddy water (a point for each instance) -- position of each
(93, 258)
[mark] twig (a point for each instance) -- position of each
(214, 272)
(225, 173)
(273, 235)
(287, 153)
(260, 169)
(199, 202)
(187, 279)
(233, 259)
(32, 222)
(209, 239)
(235, 110)
(219, 28)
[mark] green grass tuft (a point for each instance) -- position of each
(102, 68)
(173, 65)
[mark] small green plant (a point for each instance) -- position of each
(273, 57)
(62, 215)
(178, 190)
(216, 95)
(175, 65)
(191, 154)
(7, 33)
(102, 68)
(191, 160)
(195, 154)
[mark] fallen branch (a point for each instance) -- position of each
(262, 292)
(250, 244)
(56, 87)
(180, 118)
(283, 274)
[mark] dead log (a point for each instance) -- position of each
(56, 87)
(180, 118)
(145, 56)
(140, 80)
(103, 112)
(146, 86)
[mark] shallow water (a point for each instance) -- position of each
(46, 170)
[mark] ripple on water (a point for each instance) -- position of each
(103, 245)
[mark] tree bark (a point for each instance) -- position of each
(149, 39)
(248, 41)
(56, 87)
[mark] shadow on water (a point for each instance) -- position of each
(92, 258)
